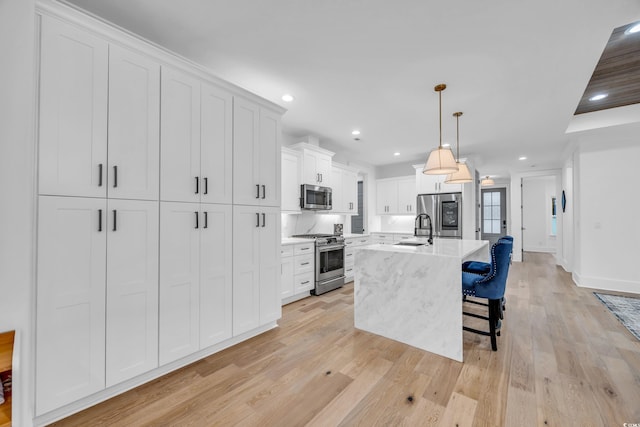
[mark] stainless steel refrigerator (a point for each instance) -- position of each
(445, 212)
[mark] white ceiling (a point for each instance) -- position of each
(517, 69)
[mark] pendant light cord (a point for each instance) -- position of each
(440, 97)
(458, 137)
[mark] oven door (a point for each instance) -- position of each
(329, 262)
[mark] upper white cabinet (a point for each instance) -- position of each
(99, 117)
(134, 126)
(434, 183)
(291, 180)
(396, 196)
(256, 154)
(316, 164)
(74, 68)
(256, 267)
(196, 140)
(344, 183)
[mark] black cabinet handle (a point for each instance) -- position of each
(115, 176)
(197, 185)
(257, 191)
(99, 219)
(206, 219)
(305, 282)
(305, 263)
(263, 219)
(115, 227)
(206, 185)
(257, 219)
(264, 191)
(100, 175)
(197, 225)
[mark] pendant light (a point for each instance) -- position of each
(463, 175)
(486, 181)
(440, 160)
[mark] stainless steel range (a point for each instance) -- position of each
(329, 262)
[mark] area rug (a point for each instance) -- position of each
(626, 309)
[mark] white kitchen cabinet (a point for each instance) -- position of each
(344, 183)
(316, 164)
(134, 126)
(195, 277)
(132, 289)
(396, 196)
(286, 275)
(216, 267)
(297, 271)
(291, 180)
(427, 184)
(73, 111)
(256, 267)
(382, 238)
(70, 306)
(351, 243)
(256, 154)
(196, 140)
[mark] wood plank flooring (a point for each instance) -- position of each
(562, 360)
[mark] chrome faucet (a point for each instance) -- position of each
(418, 225)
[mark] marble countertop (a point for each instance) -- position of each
(349, 235)
(295, 240)
(441, 247)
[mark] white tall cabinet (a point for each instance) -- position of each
(344, 181)
(141, 223)
(396, 196)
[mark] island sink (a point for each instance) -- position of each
(411, 243)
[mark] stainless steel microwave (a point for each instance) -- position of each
(315, 197)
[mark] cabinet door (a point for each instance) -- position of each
(134, 115)
(323, 167)
(386, 192)
(246, 268)
(310, 168)
(70, 303)
(286, 277)
(350, 191)
(269, 158)
(216, 286)
(73, 111)
(449, 188)
(246, 164)
(290, 184)
(179, 280)
(216, 145)
(407, 196)
(426, 184)
(270, 304)
(132, 289)
(180, 137)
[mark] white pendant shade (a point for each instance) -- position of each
(463, 175)
(440, 162)
(486, 181)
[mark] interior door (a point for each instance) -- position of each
(494, 214)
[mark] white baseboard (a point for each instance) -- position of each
(541, 249)
(607, 284)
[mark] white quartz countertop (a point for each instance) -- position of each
(349, 235)
(295, 240)
(441, 247)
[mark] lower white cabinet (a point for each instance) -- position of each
(96, 295)
(297, 271)
(256, 267)
(195, 277)
(349, 254)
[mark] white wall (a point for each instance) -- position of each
(17, 193)
(537, 193)
(607, 202)
(566, 216)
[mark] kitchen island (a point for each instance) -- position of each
(413, 294)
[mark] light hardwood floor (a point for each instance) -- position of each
(562, 360)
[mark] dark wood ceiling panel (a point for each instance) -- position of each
(617, 73)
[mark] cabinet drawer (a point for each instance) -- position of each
(303, 282)
(382, 237)
(363, 241)
(351, 241)
(303, 264)
(349, 272)
(304, 248)
(349, 256)
(286, 251)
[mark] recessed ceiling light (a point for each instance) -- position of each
(633, 29)
(598, 97)
(355, 132)
(287, 98)
(522, 158)
(396, 154)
